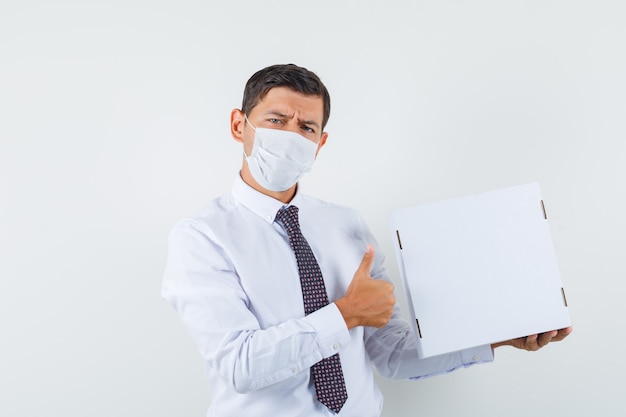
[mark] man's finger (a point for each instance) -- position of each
(545, 338)
(561, 334)
(531, 343)
(366, 263)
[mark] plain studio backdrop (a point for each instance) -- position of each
(114, 124)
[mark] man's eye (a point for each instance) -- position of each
(308, 129)
(272, 120)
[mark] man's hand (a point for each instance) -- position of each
(536, 341)
(368, 301)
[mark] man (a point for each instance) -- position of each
(269, 292)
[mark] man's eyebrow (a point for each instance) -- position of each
(287, 116)
(279, 114)
(310, 122)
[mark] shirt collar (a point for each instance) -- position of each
(260, 204)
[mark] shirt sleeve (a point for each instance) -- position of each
(202, 285)
(393, 351)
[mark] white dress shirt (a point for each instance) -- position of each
(233, 278)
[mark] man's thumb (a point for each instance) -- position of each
(366, 263)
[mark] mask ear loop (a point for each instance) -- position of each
(254, 128)
(248, 120)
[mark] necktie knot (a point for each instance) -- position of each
(288, 216)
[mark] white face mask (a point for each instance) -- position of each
(279, 158)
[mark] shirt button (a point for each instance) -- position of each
(476, 358)
(294, 371)
(269, 217)
(336, 346)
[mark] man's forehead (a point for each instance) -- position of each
(285, 101)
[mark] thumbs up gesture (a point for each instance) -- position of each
(368, 301)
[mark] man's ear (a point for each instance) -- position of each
(237, 122)
(321, 143)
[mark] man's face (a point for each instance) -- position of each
(285, 109)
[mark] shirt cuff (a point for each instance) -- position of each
(332, 333)
(479, 354)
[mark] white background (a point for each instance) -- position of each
(114, 124)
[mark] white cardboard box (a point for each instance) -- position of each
(479, 269)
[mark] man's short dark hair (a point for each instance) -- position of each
(288, 75)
